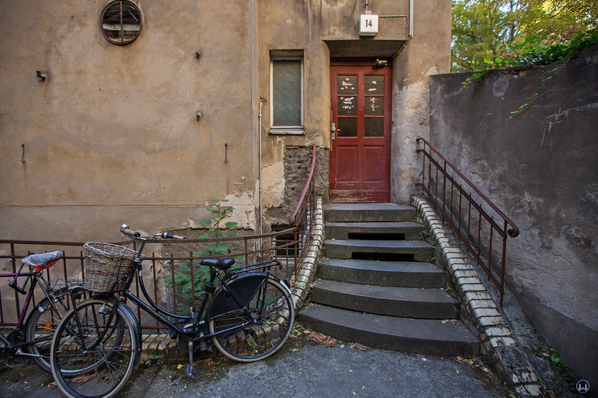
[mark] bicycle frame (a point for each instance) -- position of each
(160, 314)
(35, 277)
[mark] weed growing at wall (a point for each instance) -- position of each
(187, 286)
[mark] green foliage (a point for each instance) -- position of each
(556, 360)
(533, 52)
(497, 33)
(188, 286)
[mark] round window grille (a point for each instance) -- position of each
(121, 22)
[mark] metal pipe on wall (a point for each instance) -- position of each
(410, 18)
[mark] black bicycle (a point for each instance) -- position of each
(33, 337)
(249, 317)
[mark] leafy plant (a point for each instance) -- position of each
(556, 360)
(188, 286)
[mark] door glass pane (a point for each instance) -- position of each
(347, 106)
(373, 127)
(347, 127)
(347, 85)
(374, 84)
(286, 92)
(374, 106)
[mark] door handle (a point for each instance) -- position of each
(333, 131)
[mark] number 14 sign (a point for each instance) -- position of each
(368, 25)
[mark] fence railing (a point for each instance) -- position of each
(478, 223)
(171, 271)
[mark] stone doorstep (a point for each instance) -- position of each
(497, 338)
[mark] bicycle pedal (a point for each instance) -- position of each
(191, 372)
(203, 347)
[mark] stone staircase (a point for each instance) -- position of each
(377, 287)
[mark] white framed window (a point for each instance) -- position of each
(286, 93)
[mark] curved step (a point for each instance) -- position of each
(428, 337)
(385, 300)
(382, 273)
(416, 250)
(364, 212)
(401, 230)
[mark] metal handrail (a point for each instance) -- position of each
(308, 189)
(478, 239)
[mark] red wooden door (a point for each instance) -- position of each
(361, 114)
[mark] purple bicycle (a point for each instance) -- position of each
(33, 337)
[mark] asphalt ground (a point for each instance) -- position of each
(308, 365)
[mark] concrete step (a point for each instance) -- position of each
(376, 249)
(386, 300)
(374, 230)
(382, 273)
(368, 212)
(423, 336)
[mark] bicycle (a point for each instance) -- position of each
(249, 317)
(33, 337)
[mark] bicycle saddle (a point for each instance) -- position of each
(222, 263)
(42, 261)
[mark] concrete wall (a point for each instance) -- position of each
(112, 136)
(540, 169)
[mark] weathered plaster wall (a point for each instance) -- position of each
(428, 53)
(303, 25)
(540, 169)
(112, 135)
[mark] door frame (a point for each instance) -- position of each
(366, 195)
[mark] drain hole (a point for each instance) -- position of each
(366, 236)
(383, 256)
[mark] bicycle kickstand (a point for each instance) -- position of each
(191, 372)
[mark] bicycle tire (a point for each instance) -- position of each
(262, 337)
(41, 324)
(103, 368)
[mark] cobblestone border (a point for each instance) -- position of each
(478, 311)
(306, 272)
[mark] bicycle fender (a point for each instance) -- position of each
(242, 287)
(126, 311)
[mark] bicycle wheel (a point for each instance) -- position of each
(271, 318)
(41, 324)
(93, 352)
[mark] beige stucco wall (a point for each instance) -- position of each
(112, 135)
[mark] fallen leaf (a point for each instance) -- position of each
(81, 379)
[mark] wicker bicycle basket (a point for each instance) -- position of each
(106, 264)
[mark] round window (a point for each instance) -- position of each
(121, 22)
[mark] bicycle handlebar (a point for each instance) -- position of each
(134, 234)
(166, 235)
